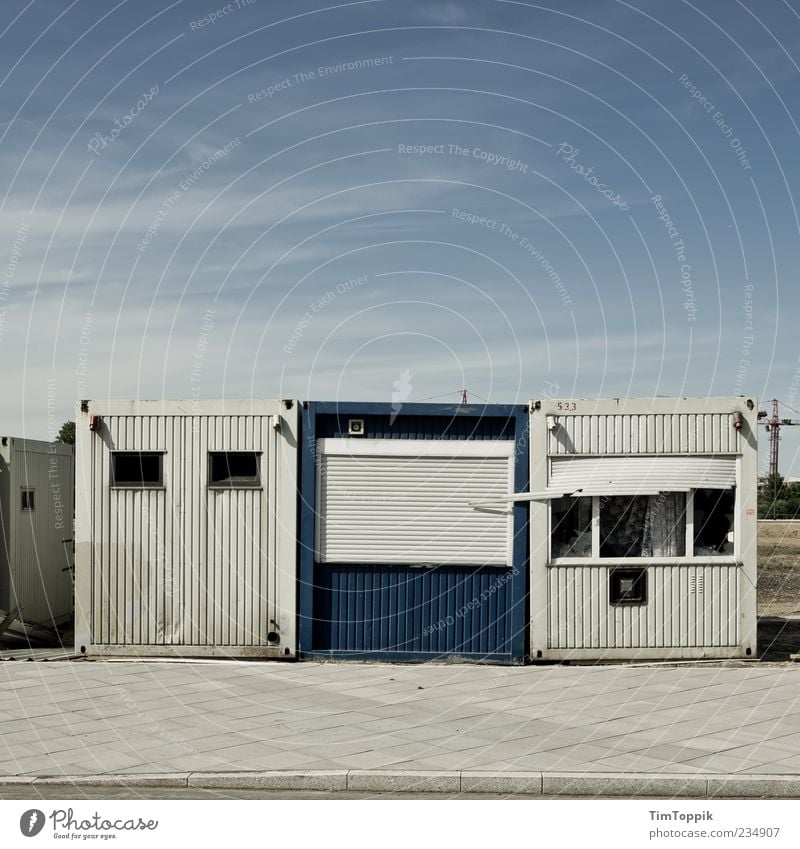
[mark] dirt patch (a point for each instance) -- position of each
(778, 568)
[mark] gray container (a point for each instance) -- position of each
(36, 512)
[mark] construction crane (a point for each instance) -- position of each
(773, 426)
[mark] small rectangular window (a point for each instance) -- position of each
(713, 522)
(137, 469)
(571, 532)
(628, 586)
(234, 469)
(26, 500)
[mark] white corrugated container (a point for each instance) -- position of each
(180, 563)
(691, 603)
(36, 500)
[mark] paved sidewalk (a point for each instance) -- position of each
(112, 718)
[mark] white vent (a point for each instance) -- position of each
(410, 501)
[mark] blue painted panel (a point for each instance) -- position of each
(439, 611)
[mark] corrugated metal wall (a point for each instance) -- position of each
(660, 433)
(690, 606)
(39, 583)
(394, 609)
(185, 565)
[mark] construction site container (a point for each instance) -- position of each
(186, 528)
(411, 547)
(643, 528)
(36, 501)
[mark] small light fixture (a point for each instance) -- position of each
(94, 423)
(355, 427)
(552, 423)
(738, 421)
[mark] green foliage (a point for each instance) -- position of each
(778, 499)
(67, 433)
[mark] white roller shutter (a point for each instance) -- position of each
(410, 501)
(640, 475)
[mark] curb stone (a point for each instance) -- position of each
(584, 784)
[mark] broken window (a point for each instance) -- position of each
(572, 527)
(713, 522)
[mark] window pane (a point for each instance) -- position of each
(665, 525)
(234, 468)
(27, 499)
(622, 519)
(643, 525)
(572, 527)
(137, 468)
(713, 522)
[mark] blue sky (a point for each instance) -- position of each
(304, 200)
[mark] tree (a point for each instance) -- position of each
(778, 499)
(67, 433)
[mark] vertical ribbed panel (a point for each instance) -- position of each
(689, 606)
(653, 433)
(431, 611)
(184, 565)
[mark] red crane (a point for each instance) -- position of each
(773, 426)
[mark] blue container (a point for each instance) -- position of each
(411, 611)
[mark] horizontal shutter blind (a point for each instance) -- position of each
(631, 475)
(410, 502)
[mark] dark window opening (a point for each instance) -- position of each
(572, 527)
(628, 586)
(137, 469)
(26, 500)
(237, 469)
(622, 519)
(713, 522)
(643, 525)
